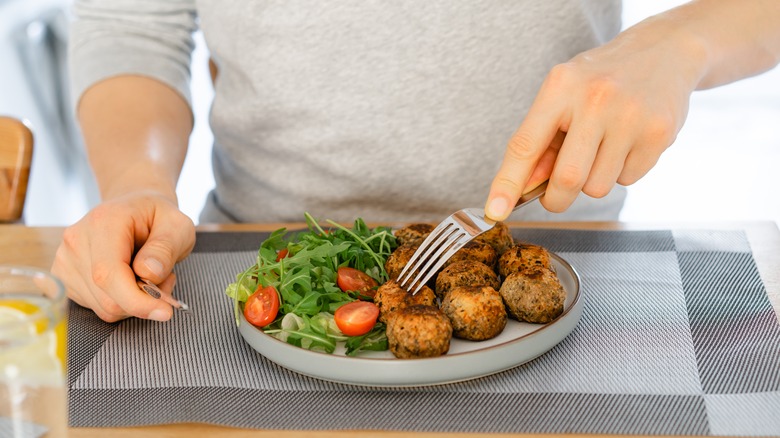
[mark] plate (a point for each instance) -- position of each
(517, 344)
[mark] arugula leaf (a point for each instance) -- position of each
(375, 340)
(300, 331)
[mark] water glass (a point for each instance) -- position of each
(33, 401)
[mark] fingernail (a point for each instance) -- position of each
(497, 208)
(155, 266)
(159, 315)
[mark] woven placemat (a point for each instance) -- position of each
(677, 337)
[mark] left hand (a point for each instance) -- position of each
(602, 118)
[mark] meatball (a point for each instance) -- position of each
(499, 237)
(476, 313)
(397, 260)
(524, 256)
(390, 297)
(413, 233)
(535, 296)
(419, 331)
(465, 273)
(475, 250)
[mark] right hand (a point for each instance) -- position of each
(139, 234)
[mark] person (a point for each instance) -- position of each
(390, 111)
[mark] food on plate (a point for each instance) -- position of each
(499, 237)
(390, 297)
(465, 273)
(262, 306)
(356, 318)
(419, 331)
(472, 289)
(306, 272)
(317, 288)
(533, 295)
(413, 233)
(356, 281)
(523, 256)
(475, 250)
(476, 312)
(397, 260)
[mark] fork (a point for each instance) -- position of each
(448, 237)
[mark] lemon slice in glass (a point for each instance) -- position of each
(30, 352)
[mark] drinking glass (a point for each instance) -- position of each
(33, 400)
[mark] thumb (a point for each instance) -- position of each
(509, 183)
(166, 245)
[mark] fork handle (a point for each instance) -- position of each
(532, 195)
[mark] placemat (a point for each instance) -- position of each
(677, 337)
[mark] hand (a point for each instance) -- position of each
(98, 261)
(602, 118)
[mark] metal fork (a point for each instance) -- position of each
(447, 238)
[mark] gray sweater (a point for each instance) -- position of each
(386, 110)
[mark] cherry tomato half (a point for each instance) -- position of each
(262, 306)
(281, 254)
(351, 279)
(356, 318)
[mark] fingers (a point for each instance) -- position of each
(95, 256)
(168, 242)
(126, 297)
(607, 166)
(573, 165)
(619, 110)
(544, 167)
(98, 251)
(526, 147)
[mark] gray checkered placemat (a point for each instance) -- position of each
(677, 337)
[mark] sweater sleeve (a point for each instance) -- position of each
(131, 37)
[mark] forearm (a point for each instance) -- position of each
(732, 39)
(136, 132)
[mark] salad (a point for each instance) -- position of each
(314, 288)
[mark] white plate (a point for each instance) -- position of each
(517, 344)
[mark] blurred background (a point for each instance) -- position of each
(723, 166)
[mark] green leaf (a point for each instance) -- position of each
(298, 331)
(375, 340)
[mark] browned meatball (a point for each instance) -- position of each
(465, 273)
(390, 297)
(475, 250)
(535, 296)
(499, 237)
(397, 260)
(413, 233)
(476, 313)
(419, 331)
(524, 256)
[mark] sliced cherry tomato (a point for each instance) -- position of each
(281, 254)
(351, 279)
(356, 318)
(262, 306)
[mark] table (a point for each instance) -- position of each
(36, 246)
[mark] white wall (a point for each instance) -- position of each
(724, 163)
(196, 178)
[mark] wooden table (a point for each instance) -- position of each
(36, 247)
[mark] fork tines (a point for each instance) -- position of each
(446, 239)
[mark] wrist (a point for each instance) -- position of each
(728, 40)
(680, 42)
(138, 179)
